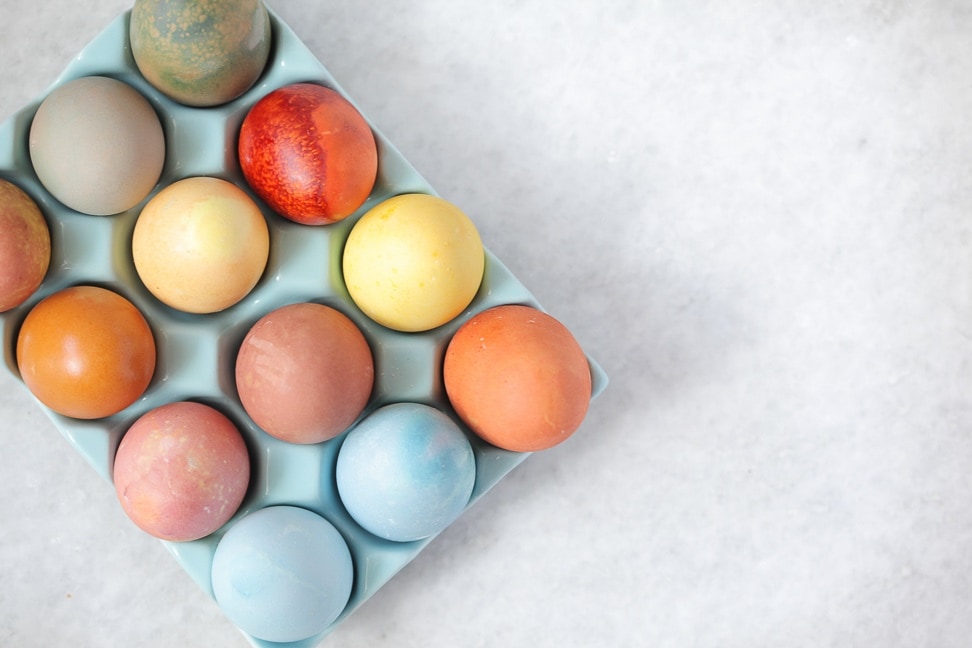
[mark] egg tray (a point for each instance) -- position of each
(196, 353)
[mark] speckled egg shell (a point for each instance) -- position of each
(200, 53)
(97, 145)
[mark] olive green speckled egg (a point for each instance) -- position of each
(200, 52)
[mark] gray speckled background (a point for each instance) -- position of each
(755, 215)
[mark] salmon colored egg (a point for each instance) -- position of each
(181, 471)
(86, 352)
(200, 245)
(518, 378)
(308, 153)
(25, 246)
(413, 262)
(304, 373)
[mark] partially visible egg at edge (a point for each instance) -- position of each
(25, 246)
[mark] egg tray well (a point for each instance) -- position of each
(196, 353)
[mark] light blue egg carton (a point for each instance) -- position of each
(196, 353)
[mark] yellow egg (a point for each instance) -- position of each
(200, 245)
(413, 262)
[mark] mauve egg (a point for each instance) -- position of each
(304, 373)
(181, 471)
(97, 145)
(518, 378)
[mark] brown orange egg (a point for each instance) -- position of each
(518, 378)
(304, 373)
(86, 352)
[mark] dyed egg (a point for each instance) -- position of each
(304, 373)
(86, 352)
(181, 471)
(405, 472)
(413, 262)
(282, 574)
(200, 245)
(25, 246)
(308, 153)
(518, 378)
(97, 145)
(200, 53)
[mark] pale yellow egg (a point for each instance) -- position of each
(200, 245)
(413, 262)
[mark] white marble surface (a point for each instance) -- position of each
(755, 215)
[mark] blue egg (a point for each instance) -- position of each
(405, 472)
(282, 574)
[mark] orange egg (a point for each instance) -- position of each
(86, 352)
(518, 378)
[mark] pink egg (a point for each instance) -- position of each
(181, 471)
(304, 373)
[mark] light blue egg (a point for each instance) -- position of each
(282, 574)
(405, 472)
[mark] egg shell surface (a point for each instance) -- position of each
(25, 246)
(181, 471)
(282, 574)
(304, 373)
(518, 378)
(200, 53)
(413, 262)
(200, 245)
(405, 472)
(308, 153)
(86, 352)
(97, 145)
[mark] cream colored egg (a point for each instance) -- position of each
(200, 245)
(413, 262)
(97, 145)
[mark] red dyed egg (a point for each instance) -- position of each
(308, 153)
